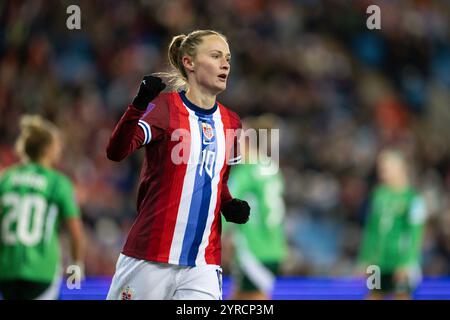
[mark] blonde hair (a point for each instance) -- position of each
(394, 154)
(179, 46)
(36, 135)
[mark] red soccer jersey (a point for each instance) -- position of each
(188, 151)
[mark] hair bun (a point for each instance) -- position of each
(31, 122)
(178, 40)
(174, 50)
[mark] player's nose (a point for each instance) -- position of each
(225, 65)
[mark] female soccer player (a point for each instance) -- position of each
(34, 200)
(173, 250)
(260, 246)
(393, 232)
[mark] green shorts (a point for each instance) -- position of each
(22, 289)
(388, 284)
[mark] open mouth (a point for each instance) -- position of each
(223, 76)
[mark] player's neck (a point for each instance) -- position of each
(399, 185)
(45, 162)
(201, 98)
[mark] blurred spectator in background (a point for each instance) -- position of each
(259, 246)
(393, 232)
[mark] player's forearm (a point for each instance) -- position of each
(225, 194)
(78, 250)
(77, 242)
(412, 254)
(126, 136)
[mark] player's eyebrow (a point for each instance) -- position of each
(219, 51)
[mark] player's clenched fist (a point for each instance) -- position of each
(237, 211)
(148, 90)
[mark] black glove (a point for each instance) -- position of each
(149, 89)
(237, 211)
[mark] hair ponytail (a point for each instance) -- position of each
(36, 134)
(174, 53)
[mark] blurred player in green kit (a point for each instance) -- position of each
(393, 232)
(34, 200)
(259, 246)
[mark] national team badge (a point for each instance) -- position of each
(208, 131)
(127, 293)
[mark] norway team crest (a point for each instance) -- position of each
(127, 293)
(208, 131)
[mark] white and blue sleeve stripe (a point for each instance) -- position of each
(147, 132)
(235, 160)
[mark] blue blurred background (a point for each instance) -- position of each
(286, 288)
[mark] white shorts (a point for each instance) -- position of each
(137, 279)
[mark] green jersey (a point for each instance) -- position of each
(393, 232)
(33, 200)
(263, 235)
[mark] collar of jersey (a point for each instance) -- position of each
(194, 107)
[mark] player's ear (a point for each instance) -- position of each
(188, 63)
